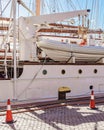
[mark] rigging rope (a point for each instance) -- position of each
(62, 10)
(0, 8)
(72, 5)
(5, 7)
(79, 4)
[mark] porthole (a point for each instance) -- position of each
(63, 71)
(95, 71)
(44, 72)
(80, 71)
(91, 87)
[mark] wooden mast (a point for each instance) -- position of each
(37, 7)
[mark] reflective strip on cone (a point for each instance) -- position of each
(92, 97)
(8, 107)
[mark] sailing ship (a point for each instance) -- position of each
(48, 71)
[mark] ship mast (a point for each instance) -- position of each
(14, 48)
(37, 7)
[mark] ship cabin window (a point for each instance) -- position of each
(63, 71)
(67, 40)
(10, 73)
(73, 42)
(95, 71)
(44, 72)
(80, 71)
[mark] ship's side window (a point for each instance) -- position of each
(44, 72)
(80, 71)
(62, 71)
(95, 71)
(10, 72)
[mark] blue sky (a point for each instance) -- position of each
(96, 15)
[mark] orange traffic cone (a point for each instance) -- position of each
(9, 118)
(92, 101)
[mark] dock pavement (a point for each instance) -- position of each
(57, 118)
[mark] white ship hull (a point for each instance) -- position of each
(40, 81)
(36, 86)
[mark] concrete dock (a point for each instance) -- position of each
(57, 118)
